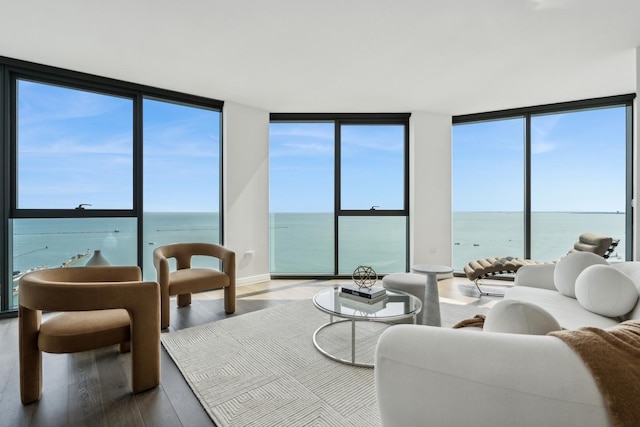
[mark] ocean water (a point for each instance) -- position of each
(499, 234)
(39, 243)
(302, 243)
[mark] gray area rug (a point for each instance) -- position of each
(261, 368)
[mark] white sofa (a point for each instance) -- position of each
(429, 376)
(535, 284)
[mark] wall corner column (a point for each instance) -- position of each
(246, 190)
(430, 188)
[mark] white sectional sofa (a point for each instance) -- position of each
(429, 376)
(535, 284)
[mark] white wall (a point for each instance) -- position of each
(430, 188)
(246, 189)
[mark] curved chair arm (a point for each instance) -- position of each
(228, 258)
(441, 376)
(161, 263)
(96, 288)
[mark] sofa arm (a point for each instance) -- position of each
(536, 276)
(439, 376)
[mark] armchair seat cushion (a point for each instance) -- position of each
(84, 330)
(196, 280)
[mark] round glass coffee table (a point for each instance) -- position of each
(399, 305)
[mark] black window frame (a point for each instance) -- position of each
(526, 113)
(339, 119)
(11, 70)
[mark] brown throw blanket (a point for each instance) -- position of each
(613, 357)
(476, 321)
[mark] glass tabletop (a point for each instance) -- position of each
(397, 305)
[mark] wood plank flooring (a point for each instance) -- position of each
(94, 388)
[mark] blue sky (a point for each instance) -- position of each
(578, 163)
(302, 157)
(77, 147)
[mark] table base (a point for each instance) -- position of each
(351, 362)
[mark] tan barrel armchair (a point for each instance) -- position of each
(100, 306)
(185, 280)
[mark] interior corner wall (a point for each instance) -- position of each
(430, 188)
(246, 189)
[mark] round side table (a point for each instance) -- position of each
(431, 311)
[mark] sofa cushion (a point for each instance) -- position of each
(568, 269)
(605, 290)
(567, 311)
(519, 317)
(631, 269)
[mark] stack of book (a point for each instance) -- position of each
(364, 307)
(367, 295)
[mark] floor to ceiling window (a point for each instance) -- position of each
(92, 164)
(488, 190)
(338, 193)
(301, 199)
(372, 179)
(578, 179)
(181, 177)
(528, 182)
(74, 153)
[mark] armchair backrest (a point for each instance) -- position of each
(86, 288)
(183, 252)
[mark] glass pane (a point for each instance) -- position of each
(70, 242)
(73, 147)
(301, 197)
(372, 167)
(578, 179)
(378, 242)
(181, 178)
(488, 190)
(301, 242)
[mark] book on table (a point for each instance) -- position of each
(364, 305)
(363, 300)
(369, 293)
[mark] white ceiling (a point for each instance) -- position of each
(443, 56)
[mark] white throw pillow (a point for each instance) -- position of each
(569, 267)
(605, 290)
(519, 317)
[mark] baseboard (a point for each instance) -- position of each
(253, 279)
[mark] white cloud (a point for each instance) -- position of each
(320, 131)
(302, 149)
(542, 147)
(550, 4)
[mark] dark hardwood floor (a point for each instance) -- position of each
(94, 389)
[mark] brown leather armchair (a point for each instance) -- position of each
(186, 280)
(101, 306)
